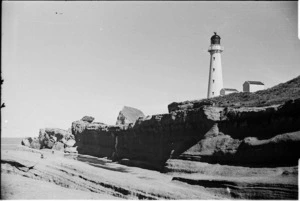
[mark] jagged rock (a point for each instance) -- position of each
(53, 138)
(71, 150)
(49, 136)
(64, 141)
(56, 132)
(59, 146)
(48, 143)
(70, 143)
(69, 136)
(26, 141)
(35, 144)
(88, 119)
(128, 115)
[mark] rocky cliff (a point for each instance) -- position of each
(228, 129)
(205, 130)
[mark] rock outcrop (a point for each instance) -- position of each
(280, 150)
(35, 144)
(128, 115)
(88, 119)
(211, 133)
(51, 138)
(26, 141)
(93, 138)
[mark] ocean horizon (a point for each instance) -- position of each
(10, 142)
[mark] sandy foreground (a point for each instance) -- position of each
(25, 175)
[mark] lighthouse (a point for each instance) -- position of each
(215, 80)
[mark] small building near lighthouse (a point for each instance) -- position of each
(253, 86)
(226, 91)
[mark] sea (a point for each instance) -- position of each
(10, 143)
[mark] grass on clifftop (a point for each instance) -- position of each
(272, 96)
(275, 95)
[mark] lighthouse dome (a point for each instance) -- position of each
(215, 39)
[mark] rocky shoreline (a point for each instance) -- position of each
(101, 178)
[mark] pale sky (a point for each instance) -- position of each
(64, 60)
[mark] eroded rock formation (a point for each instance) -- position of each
(207, 133)
(26, 141)
(128, 115)
(51, 138)
(94, 138)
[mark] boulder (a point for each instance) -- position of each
(64, 141)
(88, 119)
(128, 115)
(70, 143)
(26, 141)
(49, 136)
(48, 143)
(69, 136)
(35, 144)
(56, 132)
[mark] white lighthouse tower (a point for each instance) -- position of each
(215, 81)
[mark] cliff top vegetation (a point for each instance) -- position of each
(278, 94)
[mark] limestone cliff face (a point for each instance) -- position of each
(155, 139)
